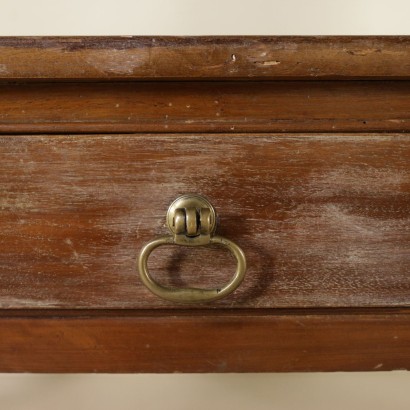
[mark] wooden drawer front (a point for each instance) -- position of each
(323, 219)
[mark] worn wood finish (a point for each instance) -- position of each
(356, 106)
(211, 343)
(323, 219)
(136, 58)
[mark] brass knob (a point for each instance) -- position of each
(191, 220)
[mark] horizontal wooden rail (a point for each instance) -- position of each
(193, 58)
(297, 106)
(211, 343)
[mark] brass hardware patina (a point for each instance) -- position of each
(192, 221)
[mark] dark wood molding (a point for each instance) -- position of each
(206, 343)
(204, 58)
(169, 107)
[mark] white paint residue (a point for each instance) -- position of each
(9, 302)
(115, 61)
(268, 63)
(361, 179)
(362, 52)
(16, 203)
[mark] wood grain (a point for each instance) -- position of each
(188, 58)
(302, 106)
(211, 343)
(323, 219)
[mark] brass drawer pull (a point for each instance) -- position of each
(192, 222)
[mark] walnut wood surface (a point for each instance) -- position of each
(323, 219)
(135, 58)
(206, 343)
(322, 106)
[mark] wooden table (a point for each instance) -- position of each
(302, 145)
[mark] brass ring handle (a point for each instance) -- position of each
(192, 220)
(191, 295)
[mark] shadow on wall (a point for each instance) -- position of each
(336, 391)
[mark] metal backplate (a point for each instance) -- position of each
(190, 201)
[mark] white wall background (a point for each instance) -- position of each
(196, 17)
(376, 391)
